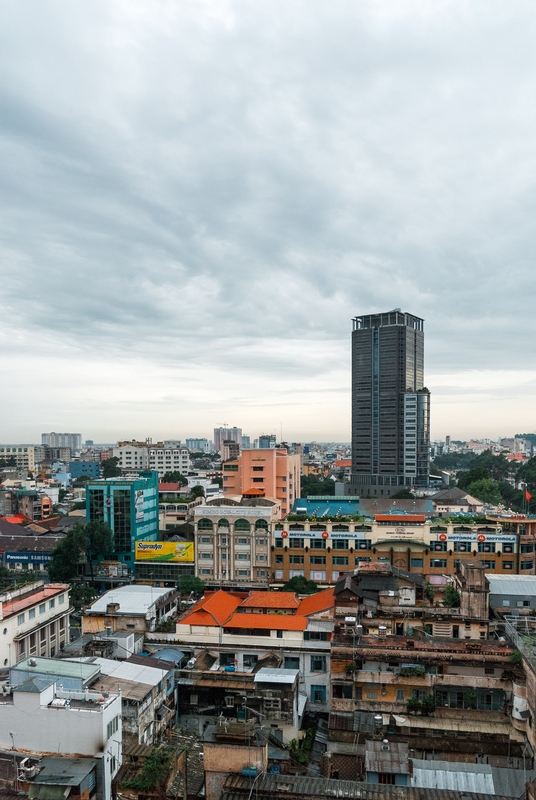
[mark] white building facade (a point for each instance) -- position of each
(34, 621)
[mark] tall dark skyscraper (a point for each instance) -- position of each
(390, 405)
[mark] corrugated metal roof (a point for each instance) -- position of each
(320, 625)
(389, 758)
(457, 776)
(269, 786)
(512, 584)
(126, 670)
(267, 675)
(65, 667)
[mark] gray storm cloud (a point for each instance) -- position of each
(218, 187)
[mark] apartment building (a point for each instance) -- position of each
(34, 621)
(255, 629)
(232, 543)
(264, 473)
(22, 454)
(426, 674)
(71, 440)
(169, 459)
(81, 731)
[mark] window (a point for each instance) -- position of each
(527, 564)
(42, 608)
(242, 525)
(279, 634)
(31, 613)
(61, 599)
(318, 544)
(296, 559)
(462, 547)
(112, 727)
(486, 547)
(527, 548)
(206, 555)
(417, 562)
(507, 564)
(242, 540)
(340, 561)
(258, 480)
(438, 563)
(206, 571)
(243, 572)
(508, 548)
(489, 564)
(279, 543)
(318, 694)
(342, 691)
(20, 619)
(295, 573)
(279, 559)
(400, 696)
(242, 556)
(261, 557)
(261, 542)
(318, 663)
(438, 547)
(292, 662)
(205, 524)
(318, 559)
(340, 544)
(489, 671)
(296, 544)
(206, 540)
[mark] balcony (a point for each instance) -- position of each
(431, 681)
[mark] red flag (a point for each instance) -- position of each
(528, 496)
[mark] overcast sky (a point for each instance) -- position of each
(197, 197)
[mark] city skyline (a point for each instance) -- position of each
(185, 239)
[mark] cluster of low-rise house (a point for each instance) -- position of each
(400, 688)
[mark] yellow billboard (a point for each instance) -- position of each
(165, 551)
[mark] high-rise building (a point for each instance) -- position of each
(203, 445)
(390, 405)
(267, 441)
(232, 434)
(261, 473)
(72, 440)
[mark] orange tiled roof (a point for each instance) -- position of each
(16, 606)
(218, 607)
(273, 622)
(271, 600)
(317, 602)
(16, 519)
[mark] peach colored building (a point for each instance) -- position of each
(264, 473)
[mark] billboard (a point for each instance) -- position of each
(165, 551)
(27, 558)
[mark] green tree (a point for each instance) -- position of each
(89, 540)
(175, 477)
(300, 585)
(110, 468)
(67, 555)
(451, 598)
(191, 584)
(197, 491)
(155, 772)
(486, 490)
(82, 595)
(403, 494)
(473, 475)
(312, 485)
